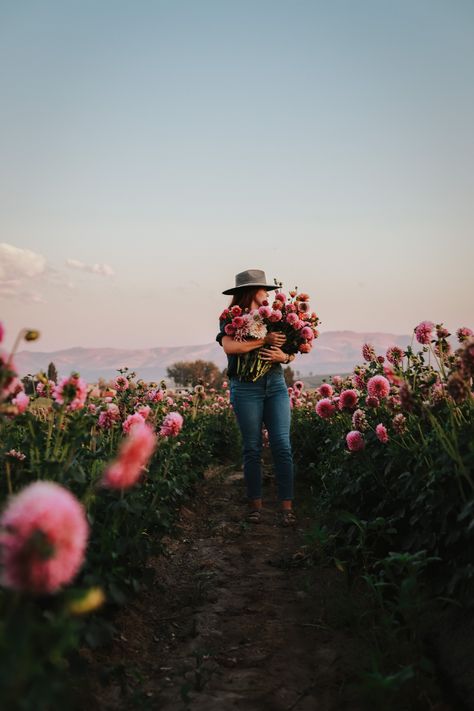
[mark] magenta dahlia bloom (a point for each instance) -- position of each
(348, 399)
(307, 332)
(378, 386)
(109, 416)
(134, 454)
(172, 425)
(325, 408)
(236, 310)
(372, 401)
(355, 440)
(44, 532)
(381, 432)
(424, 331)
(325, 389)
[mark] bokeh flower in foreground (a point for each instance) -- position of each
(134, 454)
(43, 538)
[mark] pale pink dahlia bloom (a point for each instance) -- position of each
(463, 333)
(172, 425)
(368, 352)
(71, 391)
(21, 401)
(121, 383)
(43, 538)
(355, 440)
(134, 453)
(381, 432)
(131, 421)
(378, 386)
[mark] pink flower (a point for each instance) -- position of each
(372, 401)
(348, 399)
(144, 411)
(264, 311)
(325, 408)
(355, 440)
(292, 318)
(359, 420)
(381, 432)
(21, 401)
(378, 386)
(423, 332)
(224, 384)
(325, 390)
(358, 381)
(280, 296)
(108, 416)
(44, 537)
(134, 454)
(337, 380)
(236, 310)
(304, 347)
(155, 395)
(298, 385)
(131, 421)
(2, 332)
(169, 400)
(172, 425)
(71, 391)
(276, 316)
(121, 383)
(229, 329)
(238, 322)
(307, 332)
(399, 423)
(368, 352)
(463, 333)
(394, 354)
(303, 307)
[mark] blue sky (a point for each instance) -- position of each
(177, 143)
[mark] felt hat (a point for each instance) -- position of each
(250, 277)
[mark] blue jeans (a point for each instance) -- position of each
(264, 401)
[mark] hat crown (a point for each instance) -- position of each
(250, 277)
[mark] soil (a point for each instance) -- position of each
(239, 616)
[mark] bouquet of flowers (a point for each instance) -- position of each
(290, 315)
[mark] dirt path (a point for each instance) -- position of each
(237, 618)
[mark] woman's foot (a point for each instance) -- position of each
(286, 517)
(254, 514)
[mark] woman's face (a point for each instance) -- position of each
(261, 295)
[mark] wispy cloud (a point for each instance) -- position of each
(102, 269)
(17, 267)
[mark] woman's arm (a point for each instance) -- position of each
(234, 347)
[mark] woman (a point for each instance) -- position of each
(264, 401)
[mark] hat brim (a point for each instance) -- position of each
(234, 289)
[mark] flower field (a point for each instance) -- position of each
(92, 475)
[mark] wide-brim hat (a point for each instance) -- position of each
(250, 277)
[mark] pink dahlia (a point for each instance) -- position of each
(131, 421)
(298, 385)
(71, 391)
(368, 352)
(275, 316)
(325, 390)
(307, 332)
(372, 401)
(394, 354)
(381, 432)
(121, 383)
(43, 538)
(155, 395)
(304, 347)
(264, 311)
(172, 425)
(292, 318)
(378, 386)
(359, 420)
(144, 411)
(337, 381)
(423, 332)
(463, 333)
(399, 423)
(355, 440)
(109, 416)
(21, 401)
(134, 454)
(280, 296)
(348, 399)
(238, 321)
(236, 310)
(325, 408)
(229, 329)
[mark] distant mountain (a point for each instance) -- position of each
(333, 352)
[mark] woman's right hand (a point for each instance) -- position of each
(274, 338)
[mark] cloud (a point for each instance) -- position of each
(17, 266)
(102, 269)
(16, 263)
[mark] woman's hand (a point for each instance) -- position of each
(274, 338)
(272, 353)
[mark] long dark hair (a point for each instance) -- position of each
(244, 297)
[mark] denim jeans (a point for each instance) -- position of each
(265, 401)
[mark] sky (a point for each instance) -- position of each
(150, 150)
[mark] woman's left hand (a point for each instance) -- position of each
(273, 353)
